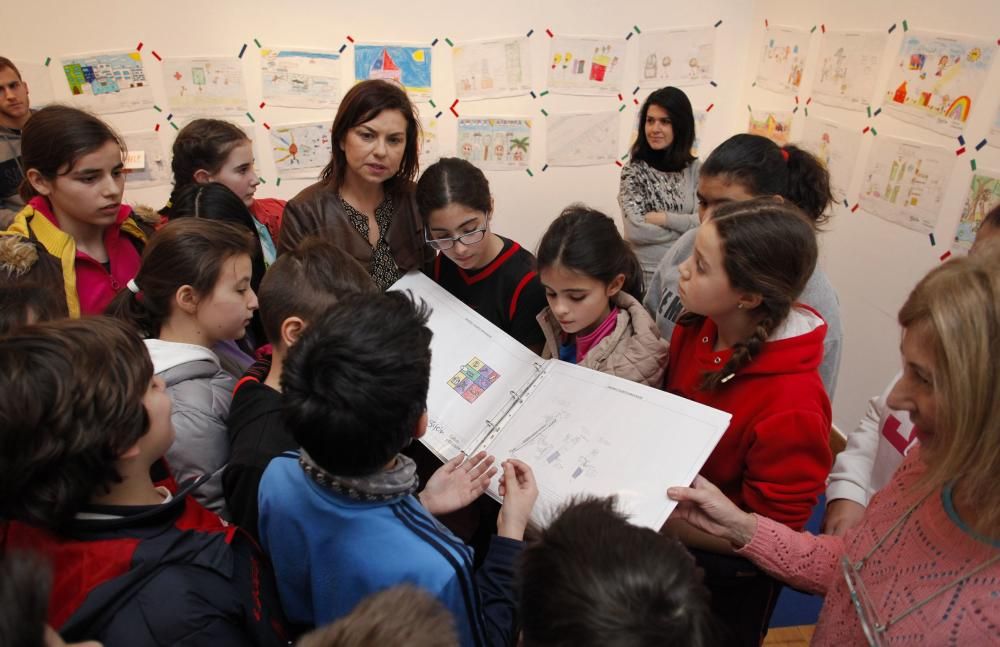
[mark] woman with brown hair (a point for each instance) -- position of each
(364, 201)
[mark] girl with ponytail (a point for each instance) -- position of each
(741, 168)
(191, 295)
(745, 346)
(592, 281)
(213, 150)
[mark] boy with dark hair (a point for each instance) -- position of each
(15, 109)
(339, 518)
(83, 421)
(297, 289)
(595, 580)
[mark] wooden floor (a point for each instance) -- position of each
(789, 636)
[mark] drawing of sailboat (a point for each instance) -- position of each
(383, 67)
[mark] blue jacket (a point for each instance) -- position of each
(330, 551)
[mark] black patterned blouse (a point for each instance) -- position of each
(383, 269)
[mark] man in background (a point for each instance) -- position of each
(14, 113)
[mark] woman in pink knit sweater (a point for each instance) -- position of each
(923, 567)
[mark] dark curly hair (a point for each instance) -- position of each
(71, 401)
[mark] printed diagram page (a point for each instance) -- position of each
(475, 367)
(585, 432)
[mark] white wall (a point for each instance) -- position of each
(872, 263)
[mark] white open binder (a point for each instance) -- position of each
(581, 431)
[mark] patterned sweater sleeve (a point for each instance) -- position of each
(800, 559)
(688, 219)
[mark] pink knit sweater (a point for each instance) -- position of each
(928, 551)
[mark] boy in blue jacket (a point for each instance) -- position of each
(339, 518)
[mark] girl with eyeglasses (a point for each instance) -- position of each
(491, 274)
(923, 565)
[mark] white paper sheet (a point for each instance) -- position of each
(300, 150)
(492, 68)
(783, 59)
(582, 139)
(849, 63)
(905, 182)
(495, 143)
(109, 82)
(300, 78)
(573, 438)
(936, 79)
(837, 147)
(676, 57)
(206, 86)
(586, 65)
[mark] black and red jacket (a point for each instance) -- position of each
(169, 574)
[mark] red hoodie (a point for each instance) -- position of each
(775, 456)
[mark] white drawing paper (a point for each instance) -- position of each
(108, 83)
(984, 195)
(495, 143)
(837, 147)
(776, 125)
(783, 59)
(151, 166)
(490, 392)
(208, 86)
(586, 65)
(936, 80)
(300, 78)
(493, 68)
(300, 150)
(676, 57)
(36, 76)
(905, 182)
(849, 63)
(582, 139)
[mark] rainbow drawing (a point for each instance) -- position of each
(959, 108)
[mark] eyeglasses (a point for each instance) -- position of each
(468, 238)
(872, 626)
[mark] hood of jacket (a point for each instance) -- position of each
(180, 361)
(796, 346)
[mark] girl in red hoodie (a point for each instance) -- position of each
(745, 346)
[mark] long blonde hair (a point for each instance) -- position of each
(957, 305)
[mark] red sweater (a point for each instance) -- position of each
(775, 456)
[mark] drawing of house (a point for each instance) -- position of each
(900, 95)
(383, 67)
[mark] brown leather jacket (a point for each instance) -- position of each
(318, 208)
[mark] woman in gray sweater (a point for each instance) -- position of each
(657, 190)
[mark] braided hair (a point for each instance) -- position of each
(769, 248)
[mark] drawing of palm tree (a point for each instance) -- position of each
(520, 143)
